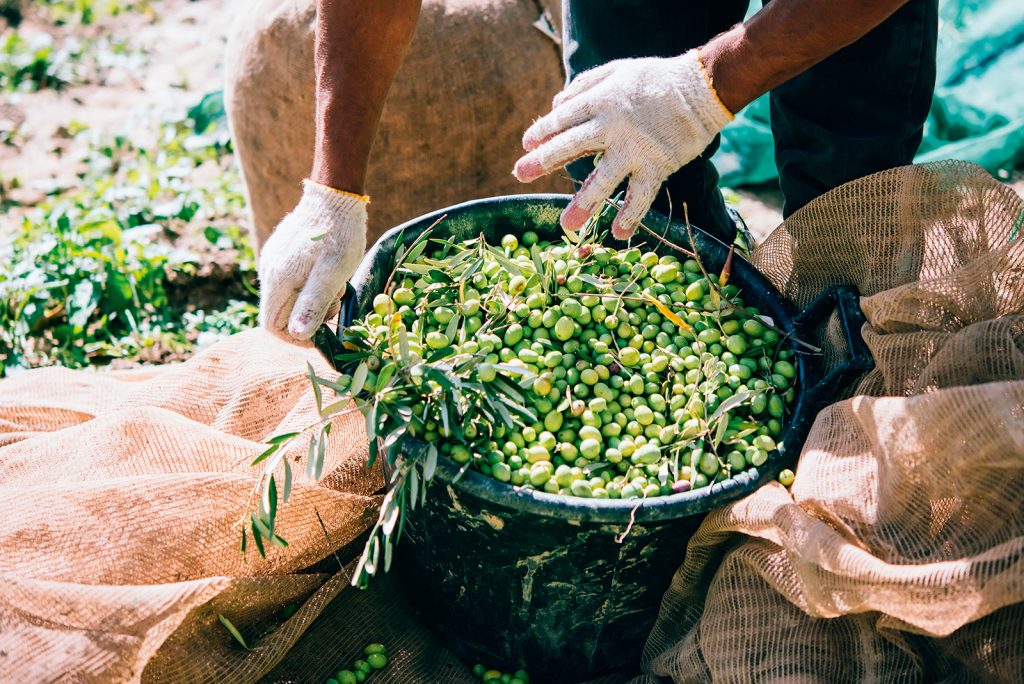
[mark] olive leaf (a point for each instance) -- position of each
(321, 451)
(430, 464)
(257, 534)
(729, 404)
(388, 553)
(287, 481)
(359, 378)
(311, 458)
(414, 488)
(403, 346)
(270, 494)
(235, 634)
(316, 386)
(269, 452)
(722, 427)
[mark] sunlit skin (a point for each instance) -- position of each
(359, 47)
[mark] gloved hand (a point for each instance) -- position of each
(310, 255)
(647, 116)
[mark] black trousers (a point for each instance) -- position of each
(860, 111)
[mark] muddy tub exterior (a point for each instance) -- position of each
(564, 596)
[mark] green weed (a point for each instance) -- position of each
(91, 274)
(45, 63)
(36, 64)
(89, 11)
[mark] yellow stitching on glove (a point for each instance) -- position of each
(346, 193)
(704, 72)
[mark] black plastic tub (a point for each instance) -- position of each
(568, 587)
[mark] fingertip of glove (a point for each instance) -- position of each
(302, 329)
(527, 170)
(574, 217)
(622, 232)
(529, 141)
(280, 333)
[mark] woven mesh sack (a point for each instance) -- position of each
(895, 557)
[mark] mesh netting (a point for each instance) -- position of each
(123, 496)
(898, 555)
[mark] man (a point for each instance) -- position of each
(650, 85)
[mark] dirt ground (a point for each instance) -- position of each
(181, 45)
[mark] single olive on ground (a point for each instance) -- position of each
(623, 374)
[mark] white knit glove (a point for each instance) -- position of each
(647, 116)
(304, 265)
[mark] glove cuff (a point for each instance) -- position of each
(323, 208)
(695, 86)
(323, 205)
(344, 193)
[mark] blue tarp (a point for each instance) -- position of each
(977, 113)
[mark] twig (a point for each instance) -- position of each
(632, 518)
(660, 238)
(330, 544)
(387, 285)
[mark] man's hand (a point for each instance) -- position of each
(646, 116)
(307, 260)
(315, 249)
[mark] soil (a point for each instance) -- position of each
(182, 45)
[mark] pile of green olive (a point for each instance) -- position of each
(493, 676)
(645, 375)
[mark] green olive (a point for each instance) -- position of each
(611, 382)
(383, 304)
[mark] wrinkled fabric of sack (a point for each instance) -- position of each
(897, 556)
(898, 553)
(478, 72)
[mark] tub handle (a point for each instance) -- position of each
(845, 301)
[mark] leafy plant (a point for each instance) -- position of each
(36, 64)
(89, 11)
(6, 186)
(398, 392)
(88, 276)
(42, 62)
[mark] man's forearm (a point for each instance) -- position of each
(359, 47)
(784, 39)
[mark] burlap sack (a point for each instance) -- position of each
(476, 75)
(124, 493)
(896, 556)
